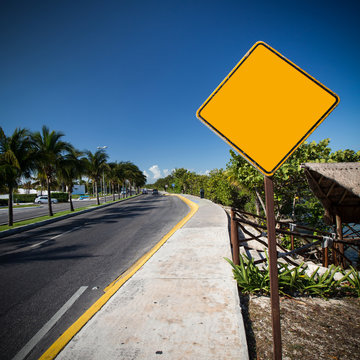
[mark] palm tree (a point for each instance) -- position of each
(16, 160)
(72, 166)
(135, 176)
(40, 181)
(140, 179)
(126, 169)
(50, 150)
(28, 185)
(120, 177)
(96, 164)
(113, 176)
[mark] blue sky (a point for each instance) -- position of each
(131, 74)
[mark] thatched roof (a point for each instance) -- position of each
(337, 186)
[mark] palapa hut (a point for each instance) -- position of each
(337, 186)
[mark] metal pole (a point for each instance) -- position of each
(234, 239)
(274, 281)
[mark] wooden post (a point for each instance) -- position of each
(325, 254)
(234, 239)
(326, 257)
(334, 257)
(340, 246)
(274, 280)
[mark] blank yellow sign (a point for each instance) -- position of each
(266, 107)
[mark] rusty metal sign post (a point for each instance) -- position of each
(274, 280)
(268, 98)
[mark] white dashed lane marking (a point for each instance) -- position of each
(45, 329)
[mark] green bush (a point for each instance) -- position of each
(24, 198)
(60, 196)
(286, 242)
(292, 281)
(353, 281)
(3, 202)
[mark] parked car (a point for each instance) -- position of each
(144, 191)
(44, 200)
(155, 192)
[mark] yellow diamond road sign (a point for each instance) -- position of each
(266, 107)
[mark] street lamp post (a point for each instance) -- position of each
(103, 182)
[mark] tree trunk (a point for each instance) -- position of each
(113, 190)
(257, 206)
(260, 200)
(97, 193)
(70, 199)
(49, 197)
(10, 204)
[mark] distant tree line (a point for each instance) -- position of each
(43, 159)
(240, 185)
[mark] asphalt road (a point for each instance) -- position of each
(24, 213)
(74, 259)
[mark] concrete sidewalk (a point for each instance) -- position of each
(182, 304)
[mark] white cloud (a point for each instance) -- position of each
(146, 174)
(166, 172)
(206, 172)
(156, 171)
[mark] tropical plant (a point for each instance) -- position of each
(40, 181)
(294, 280)
(120, 177)
(140, 179)
(95, 166)
(27, 186)
(112, 175)
(131, 174)
(50, 150)
(16, 160)
(353, 280)
(293, 197)
(250, 278)
(72, 166)
(346, 155)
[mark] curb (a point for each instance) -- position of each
(20, 229)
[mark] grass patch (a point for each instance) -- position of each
(21, 206)
(61, 213)
(42, 218)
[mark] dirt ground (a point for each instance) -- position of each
(311, 328)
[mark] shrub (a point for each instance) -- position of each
(3, 202)
(286, 242)
(24, 198)
(60, 196)
(251, 280)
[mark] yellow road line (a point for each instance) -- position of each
(112, 288)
